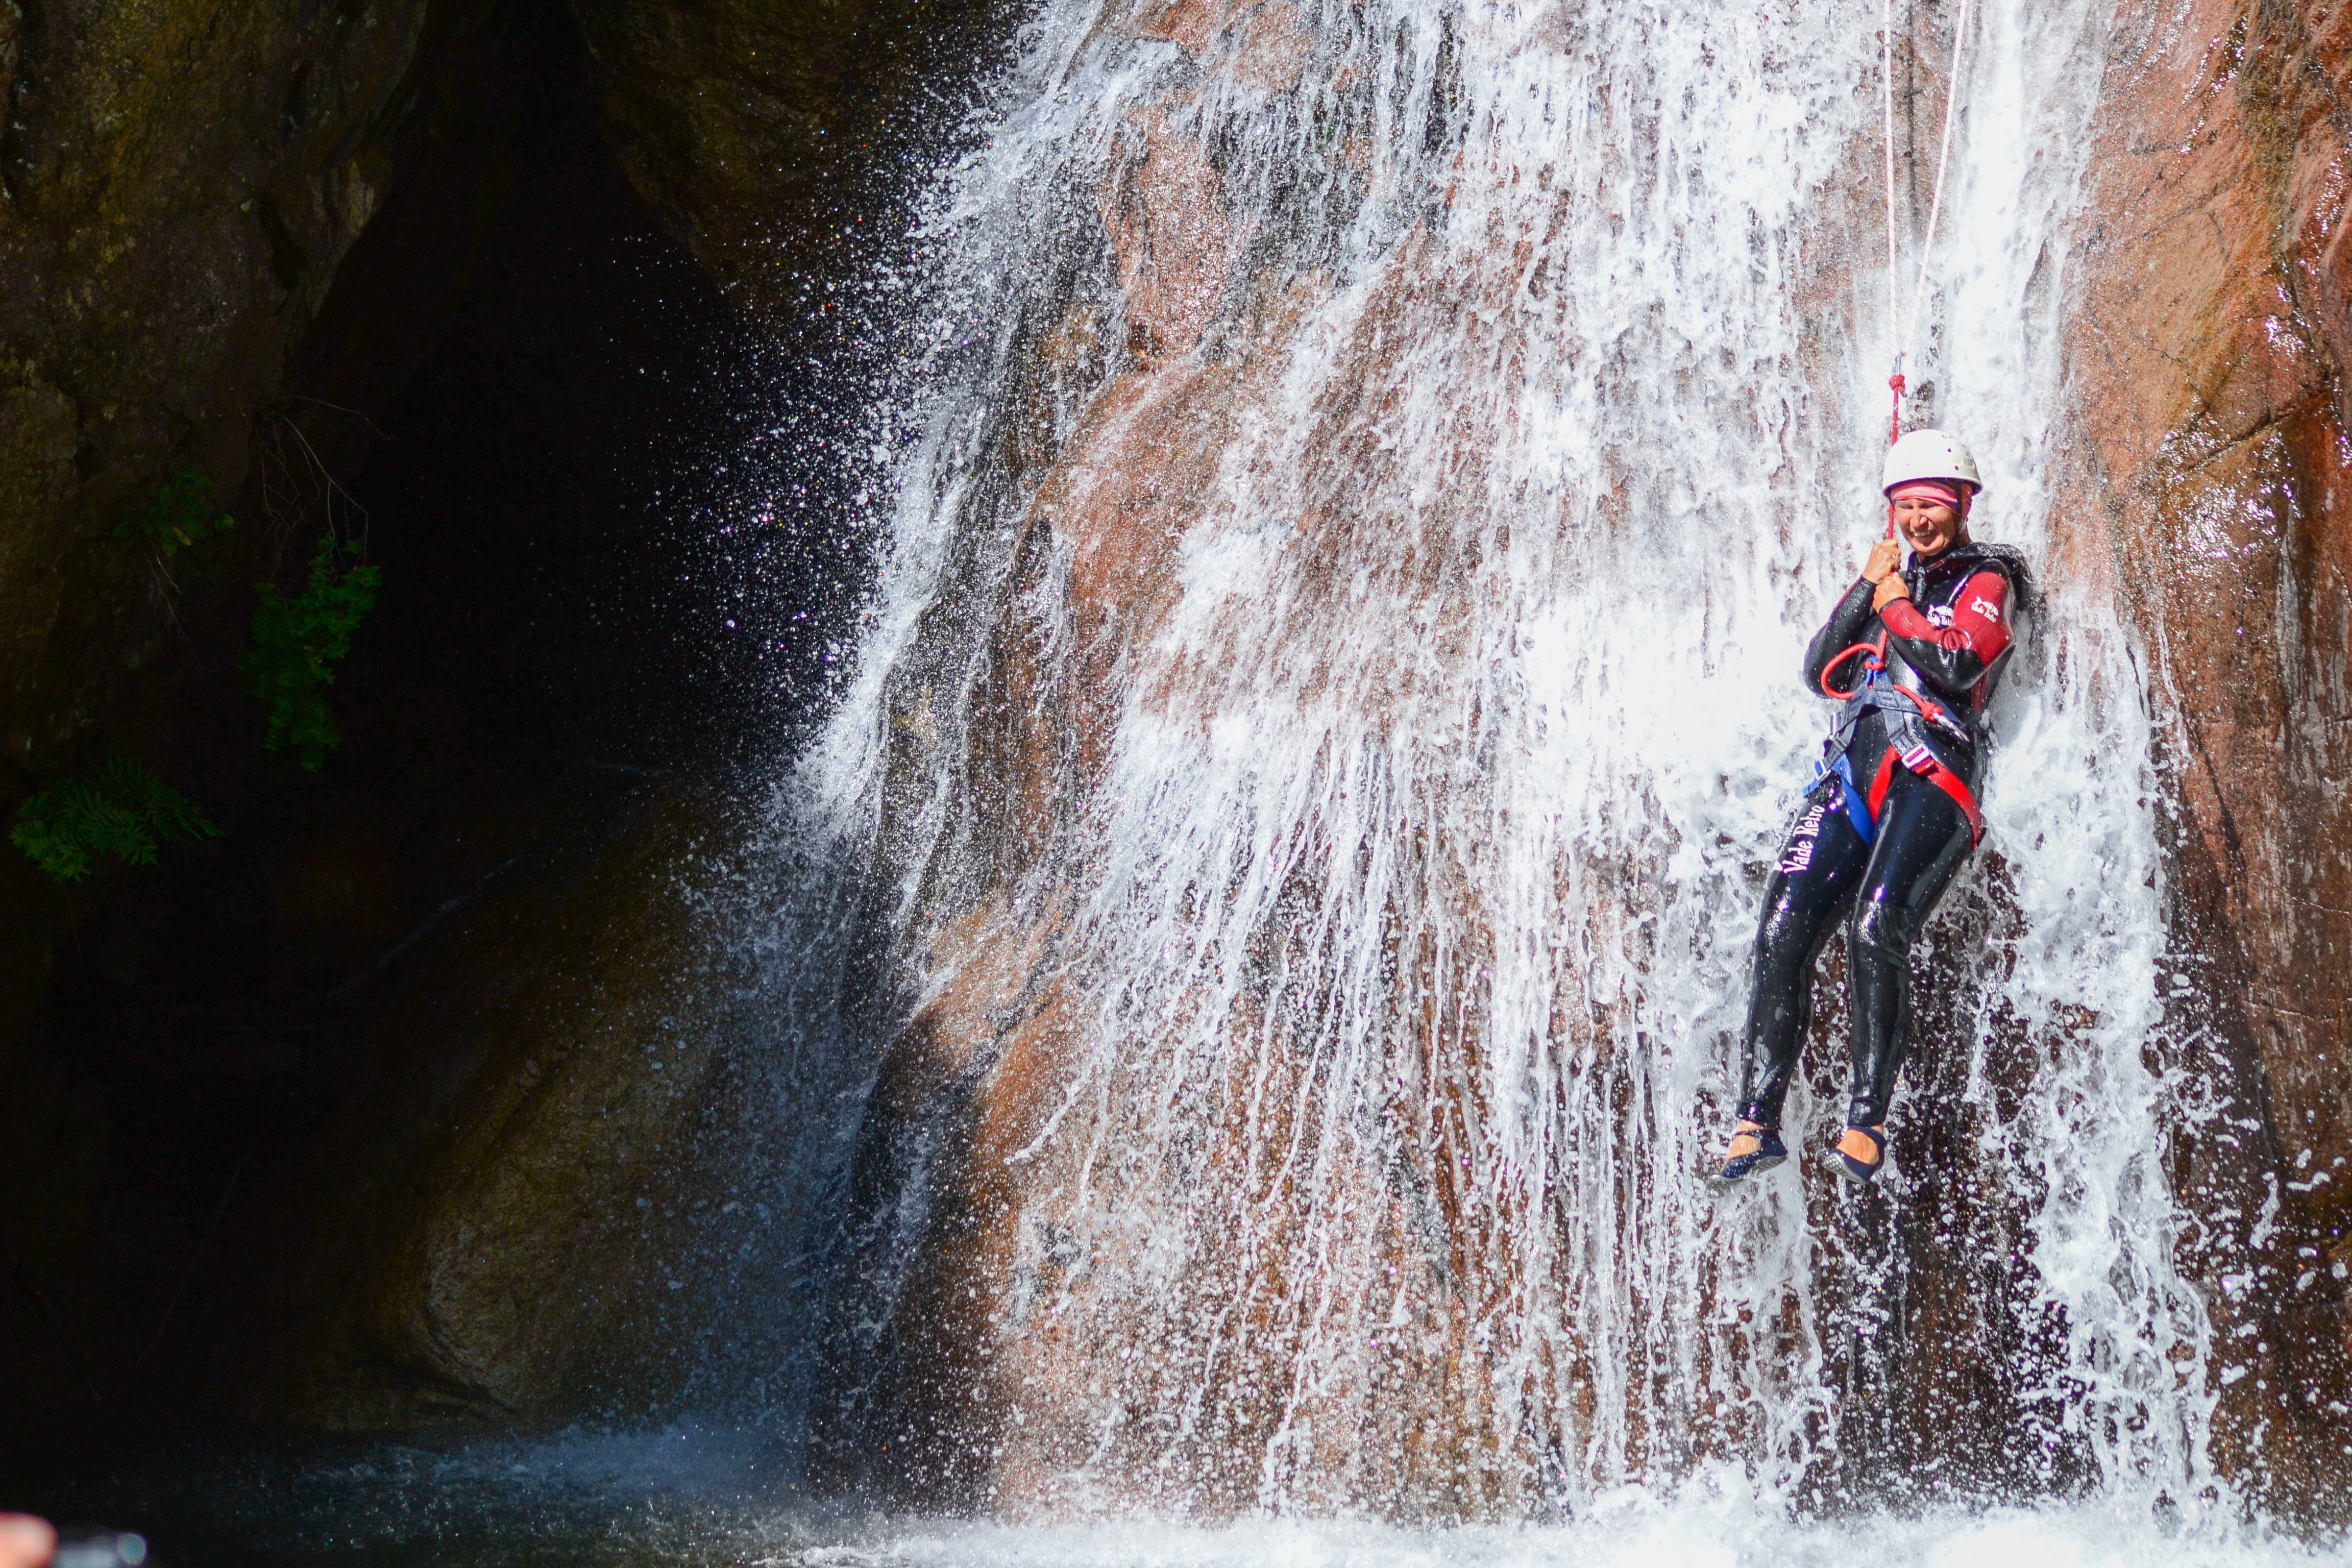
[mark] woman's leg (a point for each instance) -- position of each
(1821, 865)
(1922, 839)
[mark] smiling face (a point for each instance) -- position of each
(1929, 526)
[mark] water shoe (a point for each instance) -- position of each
(1860, 1154)
(1754, 1150)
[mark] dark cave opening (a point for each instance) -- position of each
(553, 436)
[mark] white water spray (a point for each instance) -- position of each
(1405, 452)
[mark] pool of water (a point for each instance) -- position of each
(694, 1498)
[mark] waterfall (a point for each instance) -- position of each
(1349, 537)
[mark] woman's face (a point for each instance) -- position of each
(1926, 525)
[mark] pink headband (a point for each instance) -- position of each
(1950, 494)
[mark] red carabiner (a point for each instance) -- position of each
(1877, 651)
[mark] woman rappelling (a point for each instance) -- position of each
(1878, 854)
(1894, 809)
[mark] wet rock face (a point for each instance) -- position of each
(2214, 496)
(2211, 469)
(1284, 1280)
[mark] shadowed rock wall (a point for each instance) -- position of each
(241, 1093)
(182, 182)
(775, 135)
(478, 1216)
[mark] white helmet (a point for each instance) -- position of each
(1931, 455)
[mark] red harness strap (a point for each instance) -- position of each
(1923, 762)
(1919, 759)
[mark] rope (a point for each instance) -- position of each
(1874, 663)
(1901, 324)
(1894, 264)
(1886, 104)
(1943, 159)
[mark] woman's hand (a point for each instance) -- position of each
(1880, 568)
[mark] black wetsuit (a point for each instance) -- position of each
(1954, 636)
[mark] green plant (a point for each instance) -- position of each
(296, 644)
(180, 513)
(118, 809)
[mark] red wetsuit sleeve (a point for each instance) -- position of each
(1957, 654)
(1979, 621)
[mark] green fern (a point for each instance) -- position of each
(296, 643)
(180, 514)
(117, 810)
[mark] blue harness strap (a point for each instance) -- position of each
(1836, 761)
(1857, 809)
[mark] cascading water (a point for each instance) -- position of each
(1330, 706)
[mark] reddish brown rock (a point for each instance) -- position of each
(1013, 1364)
(2213, 490)
(2211, 473)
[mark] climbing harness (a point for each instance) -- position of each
(1910, 716)
(1907, 713)
(1902, 325)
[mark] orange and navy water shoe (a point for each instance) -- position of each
(1755, 1149)
(1860, 1154)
